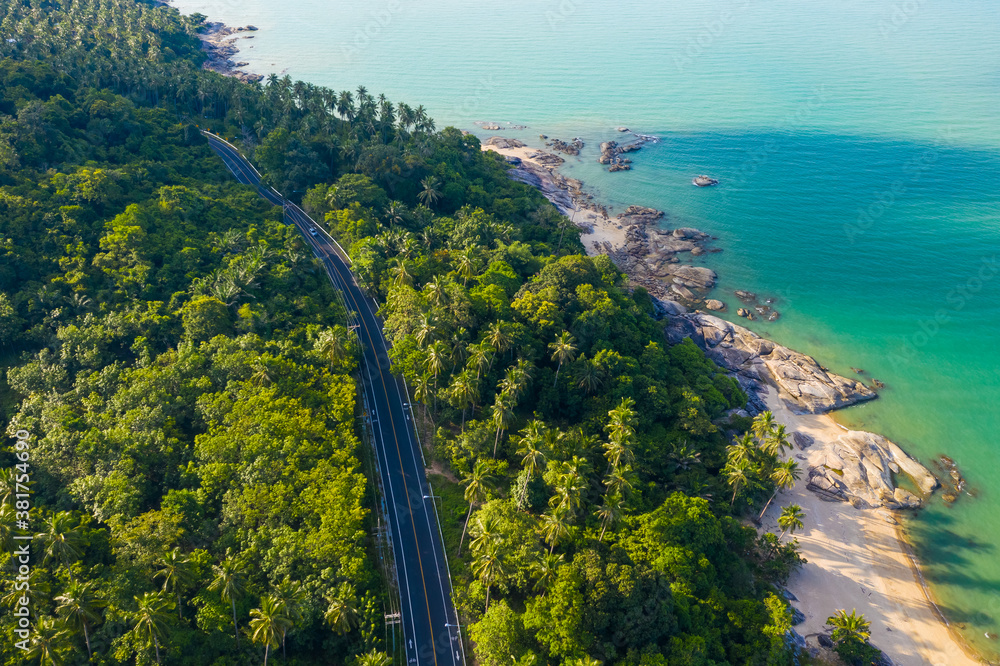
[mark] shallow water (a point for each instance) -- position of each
(859, 155)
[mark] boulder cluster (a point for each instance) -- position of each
(860, 469)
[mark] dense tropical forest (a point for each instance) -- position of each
(201, 491)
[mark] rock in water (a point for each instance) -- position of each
(715, 305)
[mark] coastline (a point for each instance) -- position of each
(218, 43)
(856, 557)
(859, 559)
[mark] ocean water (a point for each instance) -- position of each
(859, 153)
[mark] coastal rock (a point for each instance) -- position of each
(859, 470)
(571, 148)
(715, 305)
(670, 307)
(608, 152)
(746, 296)
(682, 291)
(647, 214)
(503, 142)
(697, 277)
(802, 440)
(689, 233)
(801, 381)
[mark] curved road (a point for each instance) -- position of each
(427, 615)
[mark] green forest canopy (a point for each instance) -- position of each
(186, 372)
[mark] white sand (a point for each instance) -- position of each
(857, 561)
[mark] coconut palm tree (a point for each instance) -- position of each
(517, 379)
(435, 358)
(532, 457)
(437, 291)
(563, 351)
(496, 336)
(423, 391)
(503, 414)
(342, 613)
(737, 473)
(8, 526)
(479, 357)
(790, 519)
(484, 532)
(777, 441)
(617, 482)
(293, 596)
(79, 606)
(742, 449)
(400, 272)
(426, 330)
(584, 661)
(374, 658)
(763, 424)
(476, 482)
(431, 193)
(590, 376)
(621, 421)
(610, 512)
(8, 486)
(177, 572)
(332, 344)
(465, 264)
(151, 619)
(546, 569)
(49, 642)
(61, 538)
(554, 526)
(488, 566)
(784, 476)
(848, 627)
(230, 584)
(464, 391)
(268, 624)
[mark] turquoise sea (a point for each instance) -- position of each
(859, 152)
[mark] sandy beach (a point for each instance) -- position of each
(856, 557)
(856, 560)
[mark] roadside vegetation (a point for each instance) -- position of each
(187, 376)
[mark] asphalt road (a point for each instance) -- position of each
(427, 614)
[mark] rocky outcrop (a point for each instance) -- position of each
(650, 257)
(860, 469)
(807, 387)
(715, 305)
(611, 150)
(217, 42)
(503, 142)
(571, 148)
